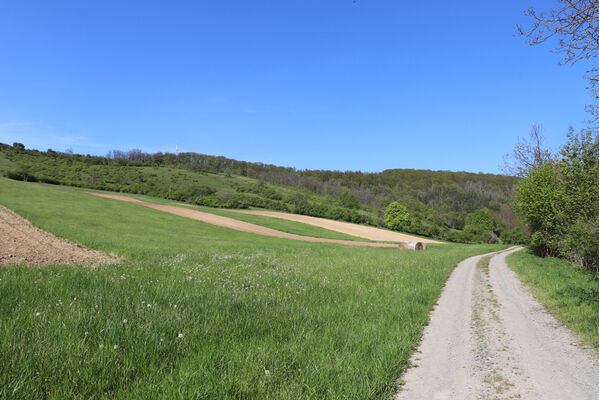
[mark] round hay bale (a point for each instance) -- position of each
(412, 246)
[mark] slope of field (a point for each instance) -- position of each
(201, 311)
(366, 232)
(283, 225)
(237, 225)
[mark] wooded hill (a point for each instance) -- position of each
(438, 202)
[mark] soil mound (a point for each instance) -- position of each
(23, 243)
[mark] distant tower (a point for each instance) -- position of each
(177, 149)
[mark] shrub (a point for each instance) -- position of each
(21, 175)
(396, 216)
(540, 198)
(581, 243)
(514, 236)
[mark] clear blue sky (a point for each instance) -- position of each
(337, 84)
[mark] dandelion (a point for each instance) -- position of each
(180, 335)
(149, 305)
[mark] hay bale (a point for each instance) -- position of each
(412, 246)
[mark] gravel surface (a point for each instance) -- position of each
(488, 338)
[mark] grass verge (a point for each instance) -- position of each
(567, 291)
(199, 311)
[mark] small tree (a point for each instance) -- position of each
(483, 225)
(396, 216)
(540, 198)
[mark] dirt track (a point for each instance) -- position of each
(363, 231)
(23, 243)
(235, 224)
(489, 339)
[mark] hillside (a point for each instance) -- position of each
(439, 202)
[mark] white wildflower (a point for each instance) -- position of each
(125, 321)
(180, 335)
(266, 372)
(149, 305)
(86, 333)
(101, 346)
(116, 346)
(37, 314)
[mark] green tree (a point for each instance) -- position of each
(540, 198)
(396, 216)
(483, 225)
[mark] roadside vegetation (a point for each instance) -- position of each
(567, 290)
(558, 198)
(199, 311)
(438, 204)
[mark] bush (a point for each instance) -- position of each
(514, 236)
(581, 243)
(540, 198)
(21, 175)
(396, 216)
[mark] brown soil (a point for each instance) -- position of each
(235, 224)
(22, 243)
(366, 232)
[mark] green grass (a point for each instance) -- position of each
(568, 291)
(326, 321)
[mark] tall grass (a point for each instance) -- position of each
(199, 311)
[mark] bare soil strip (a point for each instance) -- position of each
(22, 243)
(235, 224)
(490, 339)
(366, 232)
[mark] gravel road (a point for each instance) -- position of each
(488, 338)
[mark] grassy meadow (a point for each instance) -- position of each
(198, 311)
(567, 290)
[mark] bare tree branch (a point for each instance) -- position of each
(575, 26)
(528, 154)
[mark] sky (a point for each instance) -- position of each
(339, 84)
